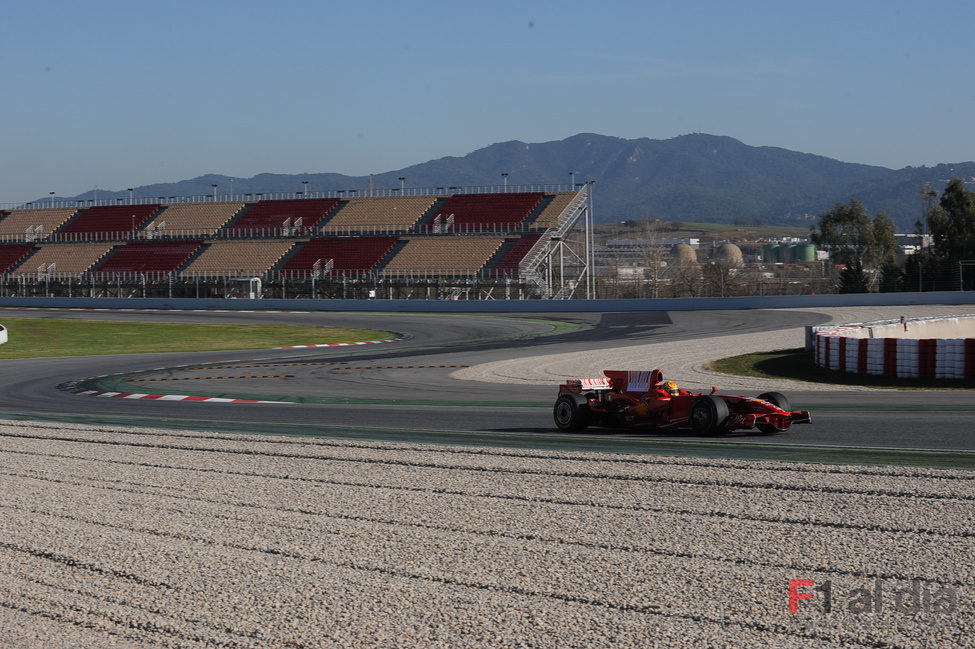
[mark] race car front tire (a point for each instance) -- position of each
(570, 415)
(777, 399)
(708, 415)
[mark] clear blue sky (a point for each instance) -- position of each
(121, 94)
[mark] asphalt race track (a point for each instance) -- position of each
(403, 389)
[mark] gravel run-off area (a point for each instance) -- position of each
(115, 537)
(687, 361)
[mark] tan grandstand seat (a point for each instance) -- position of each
(379, 214)
(550, 215)
(69, 259)
(195, 219)
(14, 225)
(450, 254)
(251, 257)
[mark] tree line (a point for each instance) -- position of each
(866, 247)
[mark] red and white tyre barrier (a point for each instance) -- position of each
(928, 358)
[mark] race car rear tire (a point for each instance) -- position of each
(708, 415)
(776, 399)
(570, 415)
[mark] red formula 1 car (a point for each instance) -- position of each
(624, 399)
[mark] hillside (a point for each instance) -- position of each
(695, 177)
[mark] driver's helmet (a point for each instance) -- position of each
(671, 388)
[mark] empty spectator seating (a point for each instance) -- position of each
(488, 212)
(487, 235)
(192, 219)
(269, 217)
(348, 255)
(379, 214)
(149, 257)
(68, 258)
(107, 221)
(13, 254)
(14, 226)
(443, 255)
(236, 258)
(550, 215)
(508, 264)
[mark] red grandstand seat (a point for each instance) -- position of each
(347, 254)
(149, 257)
(270, 216)
(13, 254)
(511, 260)
(112, 220)
(479, 212)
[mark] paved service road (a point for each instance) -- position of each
(412, 385)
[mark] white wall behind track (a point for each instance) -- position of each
(509, 306)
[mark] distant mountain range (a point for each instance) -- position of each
(695, 177)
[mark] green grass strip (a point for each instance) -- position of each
(40, 337)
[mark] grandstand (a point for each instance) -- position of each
(442, 256)
(508, 264)
(63, 260)
(105, 222)
(12, 255)
(282, 217)
(148, 257)
(31, 225)
(338, 256)
(193, 219)
(427, 244)
(238, 258)
(480, 212)
(553, 209)
(384, 214)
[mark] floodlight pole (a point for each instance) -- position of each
(590, 284)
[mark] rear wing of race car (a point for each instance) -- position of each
(618, 380)
(578, 386)
(631, 381)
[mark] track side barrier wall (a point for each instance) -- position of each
(506, 306)
(932, 348)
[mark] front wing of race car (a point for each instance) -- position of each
(778, 420)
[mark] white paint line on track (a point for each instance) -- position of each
(365, 342)
(72, 386)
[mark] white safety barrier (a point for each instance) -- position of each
(3, 334)
(897, 348)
